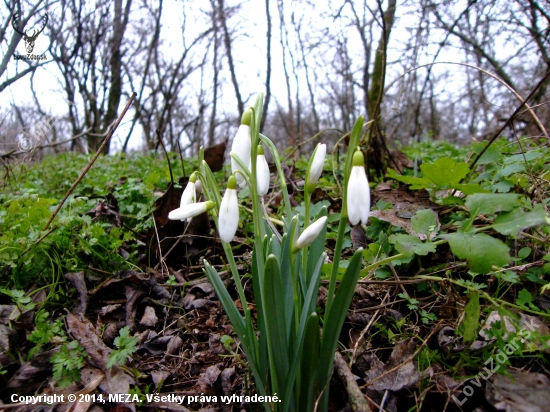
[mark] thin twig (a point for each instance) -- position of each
(75, 184)
(159, 135)
(510, 119)
(410, 358)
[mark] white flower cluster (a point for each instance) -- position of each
(358, 192)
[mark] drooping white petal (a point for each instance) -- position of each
(262, 174)
(189, 195)
(317, 164)
(310, 234)
(358, 196)
(228, 218)
(190, 210)
(242, 145)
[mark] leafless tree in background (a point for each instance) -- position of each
(326, 64)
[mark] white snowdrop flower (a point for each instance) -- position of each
(190, 210)
(228, 218)
(242, 145)
(189, 194)
(358, 191)
(310, 233)
(262, 172)
(315, 167)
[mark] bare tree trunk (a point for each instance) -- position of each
(268, 69)
(377, 147)
(282, 30)
(212, 126)
(298, 28)
(227, 41)
(119, 27)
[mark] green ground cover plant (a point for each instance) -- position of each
(481, 243)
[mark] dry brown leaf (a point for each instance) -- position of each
(149, 318)
(77, 280)
(8, 313)
(407, 375)
(31, 375)
(174, 345)
(8, 344)
(85, 333)
(523, 391)
(206, 380)
(159, 377)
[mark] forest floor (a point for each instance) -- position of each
(99, 311)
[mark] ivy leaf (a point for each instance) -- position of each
(445, 171)
(425, 222)
(471, 318)
(513, 222)
(481, 251)
(410, 245)
(487, 204)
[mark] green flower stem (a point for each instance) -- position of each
(234, 272)
(259, 228)
(365, 271)
(284, 189)
(485, 295)
(272, 219)
(353, 142)
(337, 255)
(212, 191)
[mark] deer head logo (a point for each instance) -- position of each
(31, 37)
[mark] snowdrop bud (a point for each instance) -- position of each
(358, 191)
(315, 167)
(262, 172)
(242, 144)
(310, 234)
(228, 219)
(190, 210)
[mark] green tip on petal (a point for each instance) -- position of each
(209, 204)
(193, 177)
(232, 182)
(245, 119)
(358, 159)
(260, 149)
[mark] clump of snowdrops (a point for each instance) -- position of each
(289, 354)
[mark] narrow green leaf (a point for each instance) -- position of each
(276, 325)
(471, 318)
(245, 335)
(316, 249)
(310, 362)
(226, 301)
(481, 251)
(296, 347)
(334, 319)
